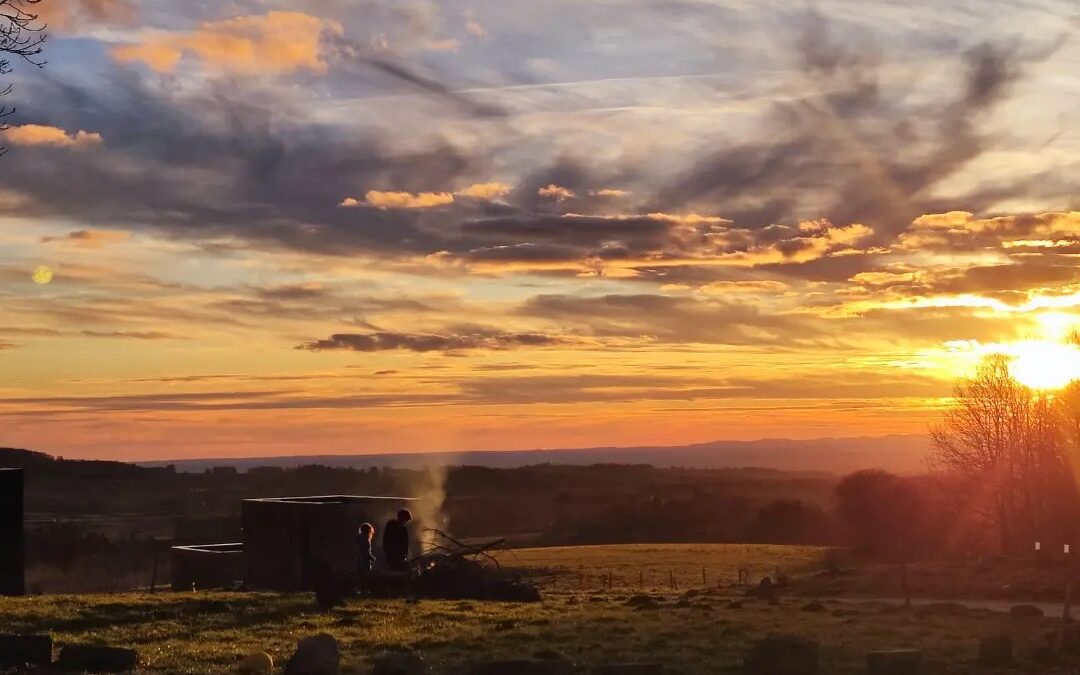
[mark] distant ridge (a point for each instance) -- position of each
(836, 455)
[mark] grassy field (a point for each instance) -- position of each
(694, 631)
(654, 566)
(1025, 580)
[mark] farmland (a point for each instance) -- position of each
(694, 630)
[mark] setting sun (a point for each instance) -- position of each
(1042, 364)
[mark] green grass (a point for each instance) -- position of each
(694, 630)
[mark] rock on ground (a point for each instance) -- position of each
(97, 659)
(316, 655)
(894, 662)
(522, 667)
(1026, 612)
(20, 650)
(256, 663)
(996, 650)
(629, 669)
(399, 663)
(783, 655)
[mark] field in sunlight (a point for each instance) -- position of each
(655, 565)
(694, 631)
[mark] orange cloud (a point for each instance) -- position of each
(486, 191)
(390, 199)
(91, 238)
(960, 228)
(277, 42)
(446, 45)
(64, 14)
(884, 278)
(556, 192)
(37, 135)
(764, 286)
(407, 200)
(610, 192)
(474, 27)
(1037, 243)
(159, 56)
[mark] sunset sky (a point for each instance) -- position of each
(255, 227)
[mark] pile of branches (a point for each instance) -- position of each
(453, 570)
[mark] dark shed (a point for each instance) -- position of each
(12, 538)
(285, 538)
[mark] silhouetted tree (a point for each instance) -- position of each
(21, 37)
(1007, 443)
(788, 521)
(880, 510)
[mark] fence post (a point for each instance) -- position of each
(1062, 634)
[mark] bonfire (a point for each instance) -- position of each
(450, 569)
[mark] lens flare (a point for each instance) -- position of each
(1042, 364)
(42, 275)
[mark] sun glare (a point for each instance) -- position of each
(1043, 364)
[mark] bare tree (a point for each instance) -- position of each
(21, 37)
(1067, 404)
(1017, 451)
(1002, 438)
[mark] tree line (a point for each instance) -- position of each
(1005, 462)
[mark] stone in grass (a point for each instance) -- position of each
(523, 667)
(400, 662)
(21, 650)
(996, 650)
(1026, 612)
(97, 659)
(894, 662)
(783, 655)
(641, 601)
(943, 609)
(256, 663)
(766, 590)
(315, 655)
(813, 606)
(629, 669)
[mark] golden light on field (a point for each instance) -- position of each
(1043, 364)
(42, 275)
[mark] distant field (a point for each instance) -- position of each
(656, 564)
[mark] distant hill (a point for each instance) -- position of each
(834, 455)
(14, 458)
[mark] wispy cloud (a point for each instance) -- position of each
(387, 341)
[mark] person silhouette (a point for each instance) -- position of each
(365, 555)
(395, 541)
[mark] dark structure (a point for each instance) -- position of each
(290, 541)
(12, 538)
(207, 566)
